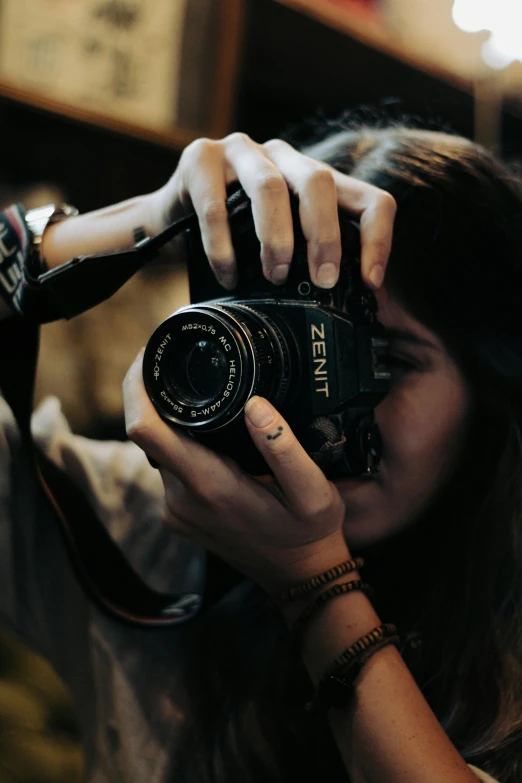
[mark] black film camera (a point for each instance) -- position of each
(316, 354)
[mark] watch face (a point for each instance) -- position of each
(38, 219)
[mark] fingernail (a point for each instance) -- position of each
(279, 274)
(259, 412)
(326, 275)
(376, 275)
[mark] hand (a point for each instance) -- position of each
(267, 172)
(276, 533)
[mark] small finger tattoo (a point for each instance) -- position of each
(277, 434)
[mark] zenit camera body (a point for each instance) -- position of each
(314, 353)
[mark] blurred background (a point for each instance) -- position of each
(98, 99)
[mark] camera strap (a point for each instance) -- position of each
(85, 281)
(100, 566)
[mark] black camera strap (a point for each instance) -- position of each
(100, 566)
(85, 281)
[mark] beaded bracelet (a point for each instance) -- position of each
(338, 589)
(383, 631)
(337, 690)
(321, 579)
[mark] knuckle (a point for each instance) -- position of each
(271, 183)
(329, 242)
(380, 245)
(387, 203)
(325, 505)
(214, 212)
(275, 145)
(320, 177)
(327, 249)
(319, 508)
(200, 148)
(139, 430)
(277, 251)
(238, 137)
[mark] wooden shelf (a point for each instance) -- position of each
(214, 82)
(176, 138)
(371, 32)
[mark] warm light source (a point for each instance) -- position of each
(502, 18)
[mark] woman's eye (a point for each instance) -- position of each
(397, 366)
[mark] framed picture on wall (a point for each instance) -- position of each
(164, 69)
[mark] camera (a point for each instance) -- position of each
(317, 355)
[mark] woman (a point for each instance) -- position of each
(438, 527)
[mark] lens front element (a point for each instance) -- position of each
(200, 371)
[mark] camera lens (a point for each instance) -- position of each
(203, 363)
(201, 372)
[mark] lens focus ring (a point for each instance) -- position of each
(265, 343)
(277, 356)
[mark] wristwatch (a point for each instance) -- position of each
(37, 220)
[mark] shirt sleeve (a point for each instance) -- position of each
(14, 246)
(41, 597)
(127, 496)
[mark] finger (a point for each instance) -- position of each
(314, 184)
(376, 209)
(152, 462)
(268, 192)
(176, 502)
(208, 475)
(142, 422)
(304, 485)
(205, 176)
(162, 444)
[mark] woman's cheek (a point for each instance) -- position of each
(399, 419)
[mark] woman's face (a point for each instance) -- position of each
(423, 422)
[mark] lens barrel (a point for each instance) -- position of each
(204, 362)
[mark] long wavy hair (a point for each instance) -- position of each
(455, 574)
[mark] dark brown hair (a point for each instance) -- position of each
(455, 574)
